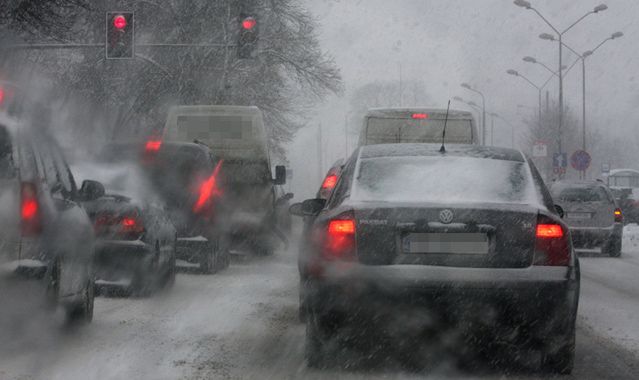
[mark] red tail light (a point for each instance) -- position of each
(208, 190)
(329, 182)
(549, 231)
(420, 116)
(124, 227)
(30, 210)
(552, 246)
(153, 146)
(340, 240)
(618, 216)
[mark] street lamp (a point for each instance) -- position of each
(527, 5)
(533, 60)
(474, 106)
(483, 116)
(517, 74)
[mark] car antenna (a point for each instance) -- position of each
(443, 148)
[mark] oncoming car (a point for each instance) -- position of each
(592, 213)
(409, 227)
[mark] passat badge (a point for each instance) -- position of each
(446, 216)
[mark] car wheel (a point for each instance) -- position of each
(314, 349)
(82, 312)
(53, 286)
(613, 247)
(209, 260)
(171, 271)
(562, 361)
(302, 312)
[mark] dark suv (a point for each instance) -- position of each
(46, 238)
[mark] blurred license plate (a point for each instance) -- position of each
(459, 243)
(579, 215)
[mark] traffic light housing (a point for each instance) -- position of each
(248, 36)
(119, 35)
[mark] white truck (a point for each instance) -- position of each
(237, 138)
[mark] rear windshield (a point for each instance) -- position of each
(444, 179)
(6, 154)
(429, 130)
(581, 194)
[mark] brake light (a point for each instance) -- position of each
(329, 182)
(29, 210)
(549, 231)
(340, 240)
(618, 216)
(153, 146)
(420, 116)
(125, 227)
(552, 246)
(208, 189)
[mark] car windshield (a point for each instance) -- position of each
(582, 194)
(443, 179)
(428, 130)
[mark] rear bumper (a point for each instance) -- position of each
(191, 249)
(589, 237)
(543, 297)
(116, 260)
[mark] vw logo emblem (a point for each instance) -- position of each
(446, 216)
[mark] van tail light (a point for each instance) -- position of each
(340, 243)
(329, 182)
(208, 190)
(30, 213)
(552, 245)
(618, 215)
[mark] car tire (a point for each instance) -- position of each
(314, 349)
(302, 312)
(612, 247)
(82, 312)
(53, 286)
(209, 260)
(562, 361)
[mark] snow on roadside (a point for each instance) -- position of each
(609, 302)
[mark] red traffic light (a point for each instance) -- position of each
(119, 22)
(249, 23)
(1, 95)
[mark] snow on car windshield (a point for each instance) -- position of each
(443, 179)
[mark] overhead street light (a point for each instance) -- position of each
(517, 74)
(483, 117)
(472, 105)
(558, 37)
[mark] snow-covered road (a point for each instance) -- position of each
(242, 323)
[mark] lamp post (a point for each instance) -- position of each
(483, 113)
(517, 74)
(474, 106)
(582, 58)
(527, 5)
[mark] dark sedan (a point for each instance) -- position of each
(419, 240)
(136, 246)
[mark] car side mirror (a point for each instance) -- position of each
(280, 175)
(310, 207)
(91, 190)
(560, 211)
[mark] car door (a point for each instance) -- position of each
(71, 233)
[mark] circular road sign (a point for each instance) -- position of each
(580, 160)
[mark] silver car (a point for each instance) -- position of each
(592, 213)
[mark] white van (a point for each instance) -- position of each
(417, 125)
(230, 131)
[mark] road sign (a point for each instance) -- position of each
(580, 160)
(540, 149)
(559, 171)
(560, 160)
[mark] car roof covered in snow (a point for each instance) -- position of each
(456, 150)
